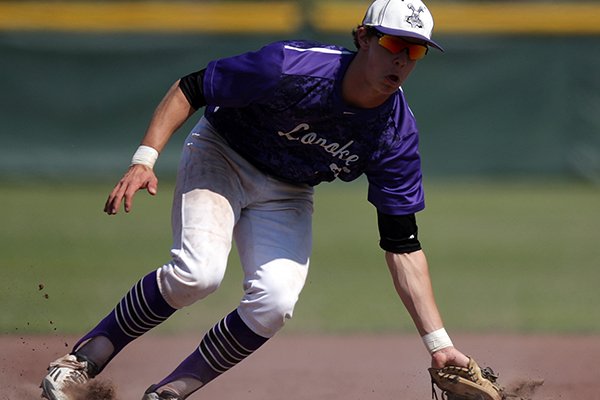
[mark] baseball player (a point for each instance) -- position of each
(277, 122)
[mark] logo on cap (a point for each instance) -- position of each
(414, 19)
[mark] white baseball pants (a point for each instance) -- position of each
(219, 196)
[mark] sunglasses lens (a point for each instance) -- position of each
(416, 52)
(392, 44)
(395, 45)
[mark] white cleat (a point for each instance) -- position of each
(66, 372)
(152, 394)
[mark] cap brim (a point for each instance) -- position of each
(408, 34)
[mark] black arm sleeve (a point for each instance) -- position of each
(192, 86)
(398, 233)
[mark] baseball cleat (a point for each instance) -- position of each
(152, 394)
(65, 372)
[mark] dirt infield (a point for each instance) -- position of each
(295, 367)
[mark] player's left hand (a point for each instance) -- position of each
(448, 356)
(137, 177)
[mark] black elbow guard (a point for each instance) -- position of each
(398, 233)
(192, 86)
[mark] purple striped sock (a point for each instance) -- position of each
(225, 345)
(140, 310)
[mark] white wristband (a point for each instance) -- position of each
(145, 155)
(437, 340)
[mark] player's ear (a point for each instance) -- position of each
(362, 38)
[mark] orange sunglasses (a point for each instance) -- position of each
(396, 44)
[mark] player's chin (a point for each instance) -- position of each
(390, 87)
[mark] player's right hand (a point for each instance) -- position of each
(137, 177)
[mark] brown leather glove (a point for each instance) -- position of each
(471, 383)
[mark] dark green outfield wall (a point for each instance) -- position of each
(73, 105)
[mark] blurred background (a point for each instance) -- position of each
(510, 136)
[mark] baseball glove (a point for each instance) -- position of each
(471, 383)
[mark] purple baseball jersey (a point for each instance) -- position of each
(281, 108)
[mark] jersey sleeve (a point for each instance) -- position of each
(241, 80)
(395, 178)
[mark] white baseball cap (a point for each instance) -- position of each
(404, 18)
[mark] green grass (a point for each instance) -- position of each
(512, 257)
(521, 257)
